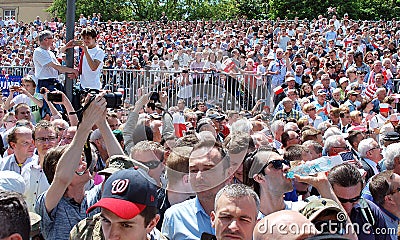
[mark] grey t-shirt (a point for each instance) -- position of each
(58, 223)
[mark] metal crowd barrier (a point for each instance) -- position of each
(228, 91)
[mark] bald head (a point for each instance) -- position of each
(285, 224)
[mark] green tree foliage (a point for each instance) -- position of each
(357, 9)
(145, 10)
(109, 9)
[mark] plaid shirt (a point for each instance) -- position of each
(284, 116)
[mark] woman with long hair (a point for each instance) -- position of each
(306, 90)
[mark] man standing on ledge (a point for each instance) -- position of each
(47, 67)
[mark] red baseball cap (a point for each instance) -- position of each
(127, 193)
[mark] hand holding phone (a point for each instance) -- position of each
(78, 43)
(54, 97)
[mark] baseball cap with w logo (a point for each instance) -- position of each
(127, 193)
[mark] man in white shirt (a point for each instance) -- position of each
(182, 57)
(379, 120)
(46, 65)
(91, 59)
(45, 137)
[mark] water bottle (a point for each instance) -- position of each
(321, 164)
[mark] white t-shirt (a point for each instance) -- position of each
(42, 57)
(377, 121)
(91, 79)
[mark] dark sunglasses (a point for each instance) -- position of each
(351, 200)
(277, 164)
(151, 164)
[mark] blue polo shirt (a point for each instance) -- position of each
(392, 223)
(186, 220)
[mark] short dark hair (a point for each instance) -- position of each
(178, 163)
(209, 144)
(357, 54)
(353, 137)
(380, 186)
(294, 152)
(89, 31)
(51, 160)
(12, 137)
(345, 175)
(43, 124)
(14, 216)
(151, 105)
(149, 213)
(343, 112)
(248, 162)
(20, 105)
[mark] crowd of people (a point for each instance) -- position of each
(319, 91)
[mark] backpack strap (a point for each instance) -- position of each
(366, 212)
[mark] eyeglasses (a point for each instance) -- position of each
(311, 109)
(48, 139)
(346, 147)
(374, 148)
(151, 164)
(277, 164)
(351, 200)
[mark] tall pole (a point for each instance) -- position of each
(70, 24)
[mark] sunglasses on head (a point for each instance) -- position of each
(277, 164)
(151, 164)
(351, 200)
